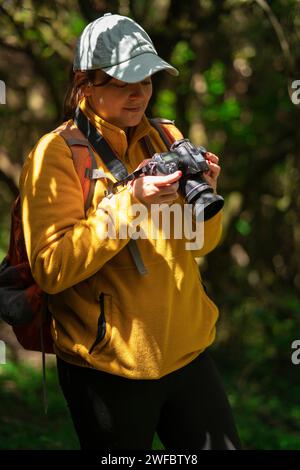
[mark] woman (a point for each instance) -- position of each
(130, 344)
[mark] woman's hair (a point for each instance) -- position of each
(74, 94)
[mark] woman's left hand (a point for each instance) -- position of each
(212, 175)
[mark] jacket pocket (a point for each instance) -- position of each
(101, 326)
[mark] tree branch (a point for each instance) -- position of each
(279, 33)
(36, 61)
(12, 48)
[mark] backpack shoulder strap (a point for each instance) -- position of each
(163, 128)
(84, 160)
(161, 125)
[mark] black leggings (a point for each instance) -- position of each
(187, 408)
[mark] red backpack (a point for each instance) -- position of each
(23, 304)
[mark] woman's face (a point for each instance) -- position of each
(120, 103)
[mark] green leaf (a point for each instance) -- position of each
(182, 54)
(243, 227)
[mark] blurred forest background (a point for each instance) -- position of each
(237, 61)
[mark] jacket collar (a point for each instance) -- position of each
(114, 136)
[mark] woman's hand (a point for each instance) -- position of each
(163, 189)
(212, 175)
(155, 189)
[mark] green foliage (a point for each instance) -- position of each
(76, 24)
(166, 104)
(215, 80)
(243, 227)
(182, 54)
(24, 424)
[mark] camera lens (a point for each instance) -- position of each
(199, 193)
(208, 203)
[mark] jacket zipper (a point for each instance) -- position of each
(101, 327)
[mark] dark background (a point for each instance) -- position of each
(237, 61)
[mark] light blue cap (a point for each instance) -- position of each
(120, 47)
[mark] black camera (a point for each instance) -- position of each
(184, 156)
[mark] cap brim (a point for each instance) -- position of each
(140, 67)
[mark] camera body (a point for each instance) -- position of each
(184, 156)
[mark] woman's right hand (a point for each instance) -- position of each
(155, 189)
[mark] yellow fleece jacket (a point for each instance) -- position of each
(105, 314)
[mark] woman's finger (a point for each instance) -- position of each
(170, 189)
(168, 197)
(212, 157)
(214, 170)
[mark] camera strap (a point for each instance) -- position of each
(115, 166)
